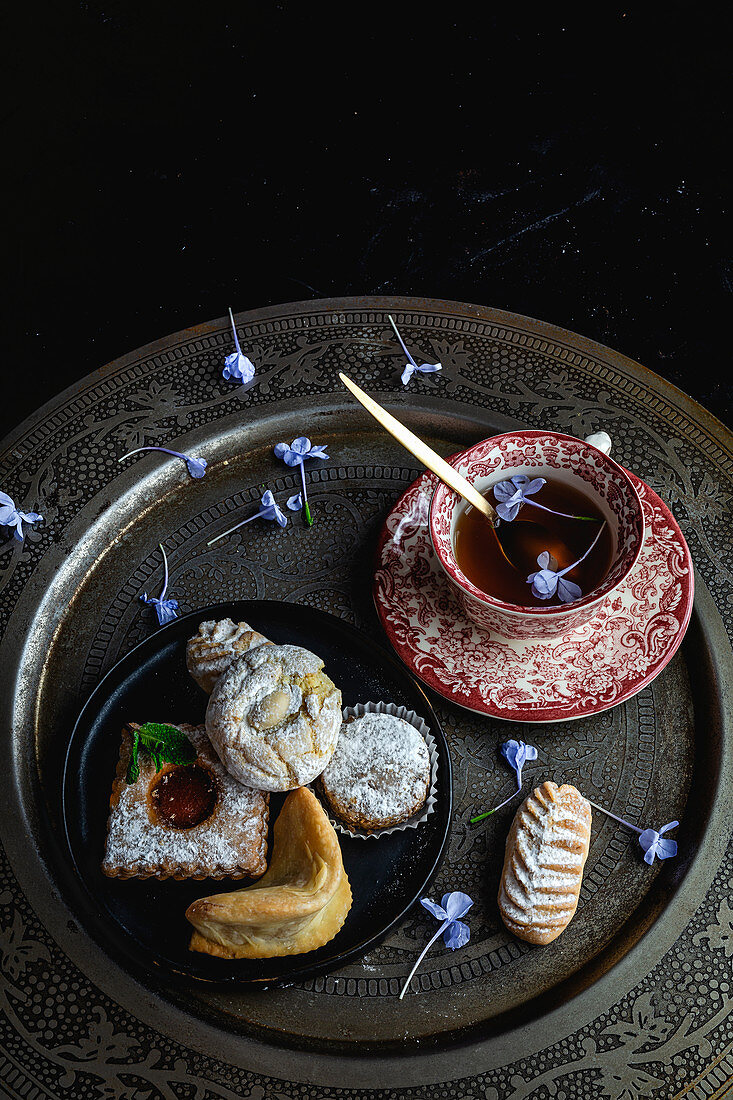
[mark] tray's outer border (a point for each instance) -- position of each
(126, 1011)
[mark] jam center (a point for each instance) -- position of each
(184, 796)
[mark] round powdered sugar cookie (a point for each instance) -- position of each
(213, 649)
(274, 717)
(379, 774)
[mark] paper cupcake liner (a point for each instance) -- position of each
(424, 730)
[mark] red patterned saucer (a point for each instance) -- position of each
(586, 671)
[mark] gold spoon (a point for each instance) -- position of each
(505, 536)
(423, 453)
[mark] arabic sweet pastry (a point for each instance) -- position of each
(379, 774)
(274, 717)
(215, 646)
(545, 855)
(299, 904)
(192, 821)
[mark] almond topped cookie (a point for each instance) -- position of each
(274, 717)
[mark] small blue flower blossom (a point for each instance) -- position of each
(411, 366)
(513, 492)
(295, 454)
(549, 579)
(651, 841)
(454, 931)
(295, 503)
(654, 845)
(166, 610)
(11, 517)
(237, 367)
(516, 754)
(196, 466)
(269, 509)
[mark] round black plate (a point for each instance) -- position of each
(143, 920)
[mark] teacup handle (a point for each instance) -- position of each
(601, 441)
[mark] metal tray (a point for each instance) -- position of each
(636, 994)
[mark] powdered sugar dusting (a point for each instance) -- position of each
(546, 852)
(380, 771)
(231, 842)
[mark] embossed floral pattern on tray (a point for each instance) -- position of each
(595, 666)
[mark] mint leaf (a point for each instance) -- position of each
(133, 767)
(166, 743)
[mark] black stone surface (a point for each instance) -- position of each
(168, 160)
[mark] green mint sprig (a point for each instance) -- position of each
(166, 744)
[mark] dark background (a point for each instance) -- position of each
(168, 160)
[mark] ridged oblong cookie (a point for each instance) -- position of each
(545, 855)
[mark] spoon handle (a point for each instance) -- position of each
(422, 452)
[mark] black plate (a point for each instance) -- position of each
(142, 921)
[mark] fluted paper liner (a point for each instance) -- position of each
(424, 730)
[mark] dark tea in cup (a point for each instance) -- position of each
(501, 568)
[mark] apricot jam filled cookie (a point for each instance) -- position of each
(183, 821)
(274, 717)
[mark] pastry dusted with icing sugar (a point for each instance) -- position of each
(213, 649)
(545, 855)
(379, 774)
(298, 905)
(192, 821)
(274, 717)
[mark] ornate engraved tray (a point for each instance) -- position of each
(635, 999)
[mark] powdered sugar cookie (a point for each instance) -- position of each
(213, 649)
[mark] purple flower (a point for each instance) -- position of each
(295, 502)
(653, 844)
(196, 466)
(268, 510)
(516, 754)
(11, 517)
(237, 367)
(295, 454)
(166, 610)
(411, 366)
(515, 491)
(549, 580)
(650, 840)
(455, 932)
(512, 493)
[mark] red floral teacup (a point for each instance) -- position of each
(574, 462)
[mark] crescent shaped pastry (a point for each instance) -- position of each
(210, 652)
(299, 904)
(545, 855)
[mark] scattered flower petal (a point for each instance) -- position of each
(196, 466)
(269, 509)
(651, 841)
(295, 454)
(11, 517)
(516, 754)
(237, 367)
(411, 366)
(166, 610)
(295, 503)
(455, 932)
(654, 845)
